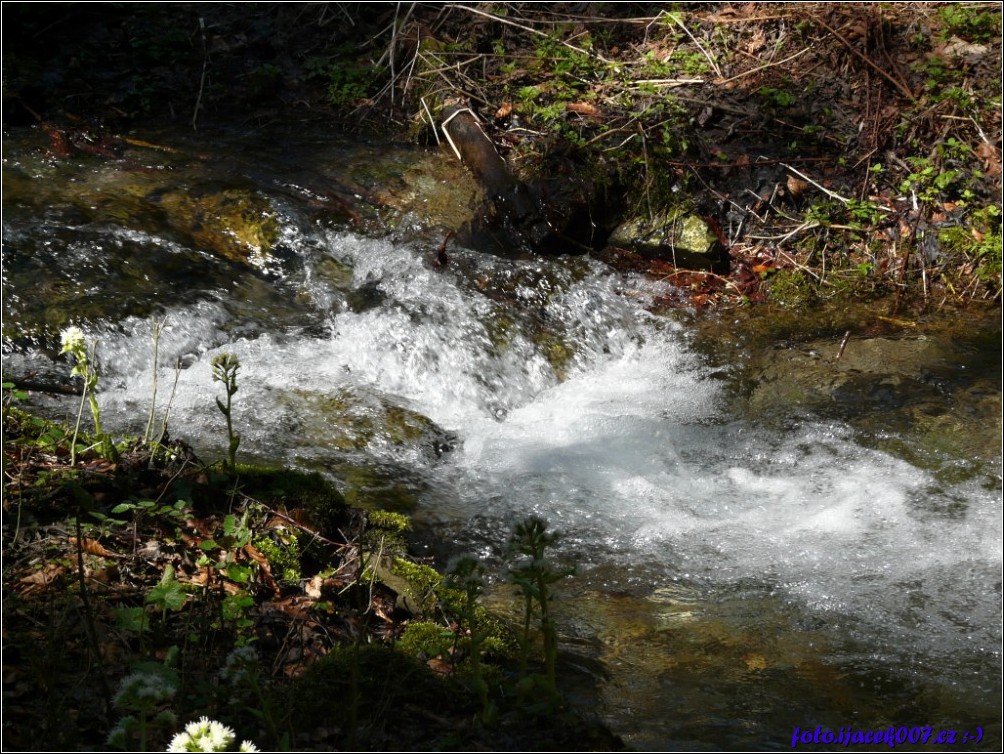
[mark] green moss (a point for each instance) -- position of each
(395, 523)
(423, 640)
(370, 686)
(421, 582)
(792, 289)
(283, 556)
(277, 487)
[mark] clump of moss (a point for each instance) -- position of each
(276, 487)
(283, 556)
(369, 687)
(395, 523)
(792, 289)
(423, 640)
(421, 580)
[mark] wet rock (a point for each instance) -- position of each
(673, 235)
(431, 188)
(239, 224)
(354, 420)
(913, 386)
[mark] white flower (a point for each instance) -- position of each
(206, 735)
(240, 665)
(73, 341)
(180, 743)
(140, 688)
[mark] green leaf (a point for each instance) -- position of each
(168, 593)
(131, 619)
(238, 573)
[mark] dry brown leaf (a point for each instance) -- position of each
(313, 587)
(757, 41)
(294, 607)
(266, 569)
(584, 109)
(204, 577)
(440, 666)
(504, 111)
(95, 548)
(44, 576)
(991, 160)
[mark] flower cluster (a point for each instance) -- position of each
(207, 735)
(240, 663)
(140, 690)
(140, 694)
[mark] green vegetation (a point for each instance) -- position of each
(86, 368)
(970, 21)
(225, 366)
(890, 111)
(178, 585)
(346, 79)
(534, 576)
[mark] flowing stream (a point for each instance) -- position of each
(734, 581)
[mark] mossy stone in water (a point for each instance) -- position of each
(675, 235)
(379, 486)
(238, 224)
(349, 419)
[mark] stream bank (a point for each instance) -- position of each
(775, 523)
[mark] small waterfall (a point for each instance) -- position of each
(544, 386)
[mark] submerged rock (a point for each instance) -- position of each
(238, 224)
(352, 419)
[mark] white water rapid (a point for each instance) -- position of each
(564, 397)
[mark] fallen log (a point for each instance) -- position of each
(512, 216)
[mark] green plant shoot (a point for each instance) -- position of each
(225, 366)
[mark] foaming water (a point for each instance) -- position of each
(566, 399)
(628, 454)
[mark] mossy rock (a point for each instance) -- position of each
(379, 486)
(559, 352)
(350, 419)
(238, 224)
(371, 687)
(675, 235)
(413, 583)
